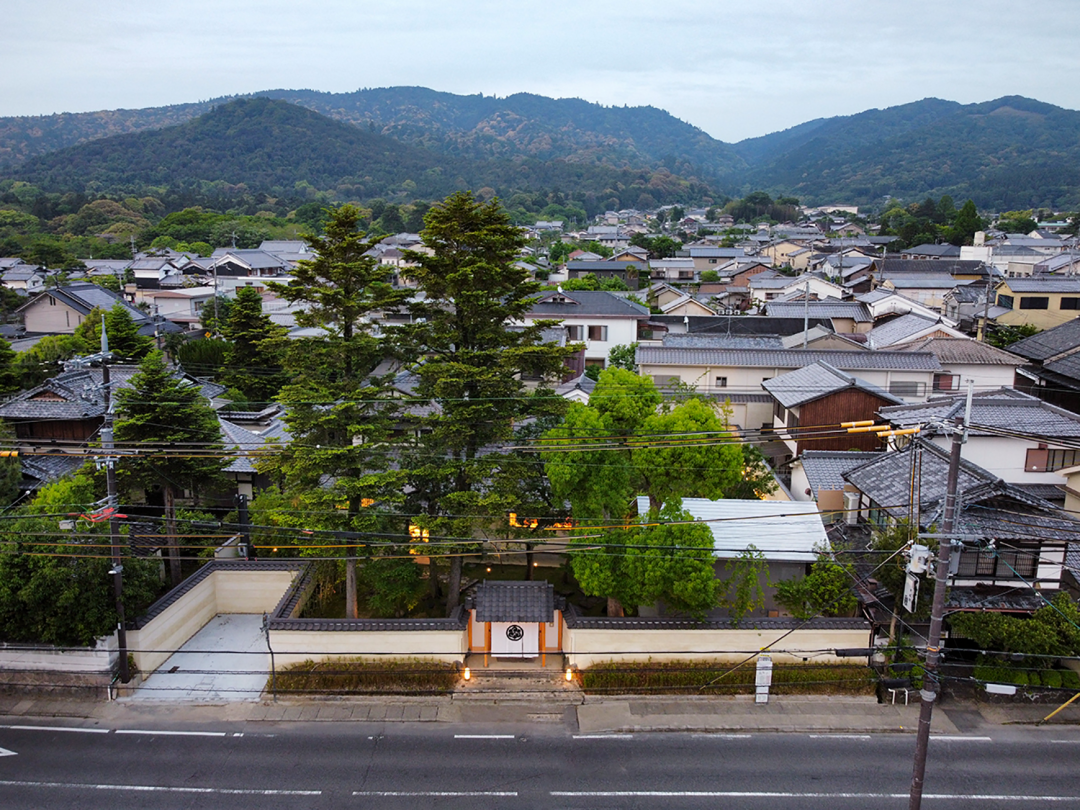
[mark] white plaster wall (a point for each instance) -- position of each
(296, 646)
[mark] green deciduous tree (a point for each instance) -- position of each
(157, 411)
(745, 591)
(66, 599)
(629, 417)
(471, 364)
(826, 590)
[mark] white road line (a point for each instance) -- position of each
(839, 736)
(734, 794)
(6, 753)
(603, 736)
(58, 728)
(485, 737)
(704, 735)
(947, 738)
(172, 733)
(162, 788)
(436, 793)
(1066, 742)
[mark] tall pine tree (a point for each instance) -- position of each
(340, 414)
(252, 360)
(470, 364)
(178, 436)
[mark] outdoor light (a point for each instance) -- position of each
(569, 673)
(536, 565)
(489, 569)
(467, 674)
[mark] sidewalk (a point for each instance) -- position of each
(596, 715)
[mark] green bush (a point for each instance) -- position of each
(1070, 679)
(711, 678)
(1051, 678)
(398, 676)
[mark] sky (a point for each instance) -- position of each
(736, 69)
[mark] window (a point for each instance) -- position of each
(1001, 563)
(597, 333)
(721, 382)
(1070, 303)
(779, 412)
(575, 333)
(1042, 459)
(946, 382)
(906, 388)
(1005, 301)
(52, 301)
(712, 261)
(666, 380)
(1034, 302)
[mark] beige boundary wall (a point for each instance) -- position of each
(585, 647)
(222, 590)
(295, 646)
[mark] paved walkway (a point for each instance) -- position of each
(597, 715)
(200, 672)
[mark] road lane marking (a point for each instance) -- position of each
(704, 735)
(6, 753)
(839, 736)
(948, 738)
(162, 788)
(172, 733)
(58, 728)
(435, 793)
(485, 736)
(603, 736)
(746, 794)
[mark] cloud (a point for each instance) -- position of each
(736, 69)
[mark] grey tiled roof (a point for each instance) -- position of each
(1043, 284)
(712, 340)
(829, 308)
(515, 602)
(987, 506)
(952, 267)
(1009, 411)
(1059, 339)
(933, 250)
(964, 350)
(789, 358)
(825, 468)
(816, 381)
(83, 297)
(584, 303)
(897, 330)
(1068, 366)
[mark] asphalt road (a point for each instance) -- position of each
(322, 765)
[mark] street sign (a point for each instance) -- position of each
(764, 678)
(911, 592)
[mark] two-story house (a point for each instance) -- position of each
(1039, 301)
(598, 319)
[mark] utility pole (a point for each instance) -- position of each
(805, 316)
(117, 570)
(931, 686)
(245, 526)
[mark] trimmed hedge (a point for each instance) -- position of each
(1050, 678)
(398, 676)
(710, 678)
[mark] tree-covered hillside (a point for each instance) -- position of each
(280, 148)
(1012, 153)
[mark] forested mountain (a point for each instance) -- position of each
(1012, 153)
(274, 147)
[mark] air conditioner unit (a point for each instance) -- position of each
(851, 508)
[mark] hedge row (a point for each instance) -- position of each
(1051, 678)
(399, 676)
(710, 678)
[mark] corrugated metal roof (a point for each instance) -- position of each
(828, 308)
(964, 350)
(788, 531)
(1043, 284)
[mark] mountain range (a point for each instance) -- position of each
(1010, 153)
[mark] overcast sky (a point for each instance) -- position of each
(737, 68)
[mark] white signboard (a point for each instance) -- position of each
(515, 639)
(764, 678)
(911, 592)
